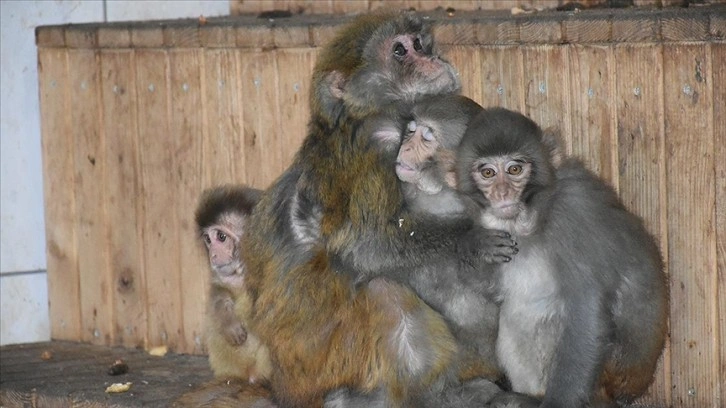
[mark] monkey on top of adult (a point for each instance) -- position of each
(584, 304)
(331, 239)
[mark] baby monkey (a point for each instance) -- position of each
(460, 291)
(583, 305)
(221, 219)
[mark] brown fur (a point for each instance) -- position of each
(323, 331)
(229, 304)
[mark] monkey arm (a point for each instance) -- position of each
(397, 248)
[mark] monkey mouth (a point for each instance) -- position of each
(506, 210)
(405, 172)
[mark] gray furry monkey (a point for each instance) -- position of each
(584, 304)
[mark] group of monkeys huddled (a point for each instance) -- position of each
(423, 251)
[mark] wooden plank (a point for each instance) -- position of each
(112, 36)
(187, 127)
(718, 53)
(346, 7)
(60, 207)
(320, 6)
(466, 60)
(294, 79)
(456, 33)
(639, 149)
(541, 31)
(260, 118)
(691, 27)
(587, 30)
(96, 279)
(158, 216)
(547, 90)
(502, 77)
(222, 149)
(291, 37)
(687, 79)
(504, 31)
(122, 191)
(594, 137)
(53, 36)
(634, 29)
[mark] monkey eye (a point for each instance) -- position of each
(221, 236)
(206, 238)
(399, 50)
(417, 45)
(411, 127)
(428, 135)
(515, 169)
(488, 172)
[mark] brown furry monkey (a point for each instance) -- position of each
(584, 304)
(323, 302)
(221, 218)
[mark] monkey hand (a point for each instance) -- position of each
(235, 334)
(490, 246)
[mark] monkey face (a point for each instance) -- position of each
(502, 179)
(418, 148)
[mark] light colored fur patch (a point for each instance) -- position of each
(529, 321)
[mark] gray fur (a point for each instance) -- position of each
(587, 287)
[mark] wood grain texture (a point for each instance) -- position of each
(718, 53)
(158, 210)
(88, 144)
(125, 292)
(502, 76)
(187, 128)
(222, 150)
(593, 130)
(639, 149)
(547, 88)
(294, 84)
(468, 64)
(260, 117)
(60, 206)
(687, 73)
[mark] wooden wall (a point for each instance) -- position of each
(137, 119)
(239, 7)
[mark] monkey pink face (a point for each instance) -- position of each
(418, 148)
(415, 70)
(502, 180)
(221, 245)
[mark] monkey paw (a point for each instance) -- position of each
(498, 247)
(491, 246)
(235, 334)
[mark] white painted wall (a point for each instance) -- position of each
(23, 286)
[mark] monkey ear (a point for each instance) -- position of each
(336, 84)
(329, 91)
(553, 143)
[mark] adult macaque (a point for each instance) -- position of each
(584, 304)
(221, 219)
(331, 326)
